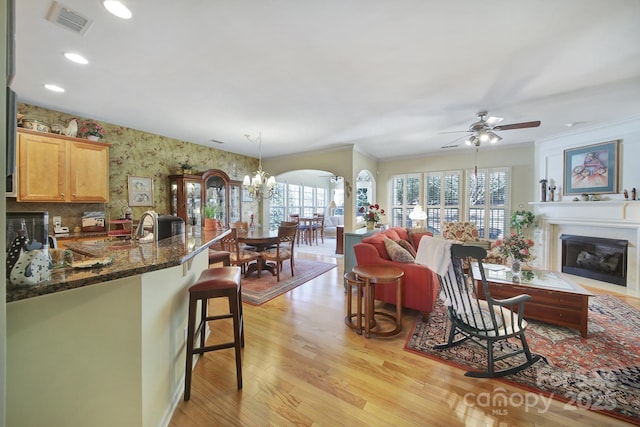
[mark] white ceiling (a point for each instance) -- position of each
(387, 76)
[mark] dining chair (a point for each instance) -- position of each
(303, 229)
(318, 227)
(239, 257)
(283, 250)
(242, 226)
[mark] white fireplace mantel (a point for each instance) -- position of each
(614, 219)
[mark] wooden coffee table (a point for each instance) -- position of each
(554, 298)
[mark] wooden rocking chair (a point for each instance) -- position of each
(486, 322)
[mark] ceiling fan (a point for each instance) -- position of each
(484, 130)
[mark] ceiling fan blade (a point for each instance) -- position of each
(518, 126)
(492, 121)
(453, 131)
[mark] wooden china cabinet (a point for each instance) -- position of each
(186, 198)
(191, 193)
(225, 193)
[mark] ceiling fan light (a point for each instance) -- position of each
(484, 137)
(494, 138)
(470, 140)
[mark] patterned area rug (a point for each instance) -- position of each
(601, 373)
(258, 291)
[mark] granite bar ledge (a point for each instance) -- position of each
(128, 259)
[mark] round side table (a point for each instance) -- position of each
(379, 274)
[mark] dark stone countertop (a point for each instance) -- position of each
(128, 259)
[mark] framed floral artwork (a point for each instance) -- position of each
(592, 169)
(140, 191)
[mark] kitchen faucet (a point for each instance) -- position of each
(153, 235)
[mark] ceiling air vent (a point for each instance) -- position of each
(68, 18)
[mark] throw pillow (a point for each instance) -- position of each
(397, 252)
(377, 240)
(392, 234)
(414, 237)
(408, 246)
(402, 233)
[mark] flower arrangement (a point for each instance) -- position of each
(522, 219)
(373, 214)
(90, 127)
(515, 246)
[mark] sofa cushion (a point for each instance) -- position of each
(402, 233)
(377, 240)
(408, 246)
(392, 234)
(397, 252)
(415, 236)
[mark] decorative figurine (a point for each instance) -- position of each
(543, 190)
(552, 190)
(633, 193)
(626, 194)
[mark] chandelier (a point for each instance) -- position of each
(261, 185)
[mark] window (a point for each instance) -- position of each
(405, 195)
(488, 193)
(277, 207)
(443, 201)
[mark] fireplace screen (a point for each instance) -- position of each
(595, 258)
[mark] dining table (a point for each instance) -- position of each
(261, 240)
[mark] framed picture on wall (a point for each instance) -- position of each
(140, 191)
(592, 169)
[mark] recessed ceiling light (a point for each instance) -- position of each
(74, 57)
(117, 8)
(53, 88)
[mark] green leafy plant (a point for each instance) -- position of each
(211, 212)
(522, 219)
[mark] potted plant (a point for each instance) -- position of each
(186, 168)
(211, 221)
(91, 130)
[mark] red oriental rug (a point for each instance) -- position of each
(258, 291)
(600, 373)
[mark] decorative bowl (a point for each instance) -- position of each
(38, 125)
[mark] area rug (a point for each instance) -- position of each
(600, 373)
(258, 291)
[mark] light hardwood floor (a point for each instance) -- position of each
(302, 366)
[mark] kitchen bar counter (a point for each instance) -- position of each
(128, 259)
(104, 346)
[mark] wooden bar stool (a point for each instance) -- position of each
(220, 282)
(216, 256)
(379, 274)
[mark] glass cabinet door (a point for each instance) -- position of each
(235, 201)
(173, 209)
(194, 203)
(216, 197)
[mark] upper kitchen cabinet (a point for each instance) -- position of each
(56, 168)
(224, 194)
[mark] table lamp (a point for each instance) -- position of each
(332, 207)
(418, 215)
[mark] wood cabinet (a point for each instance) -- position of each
(224, 193)
(191, 193)
(185, 199)
(55, 168)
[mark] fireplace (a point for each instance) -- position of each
(595, 258)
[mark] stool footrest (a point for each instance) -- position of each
(218, 317)
(214, 347)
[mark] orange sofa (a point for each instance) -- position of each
(419, 284)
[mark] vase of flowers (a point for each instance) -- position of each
(517, 249)
(522, 219)
(372, 215)
(92, 130)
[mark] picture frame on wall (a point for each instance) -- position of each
(592, 169)
(140, 190)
